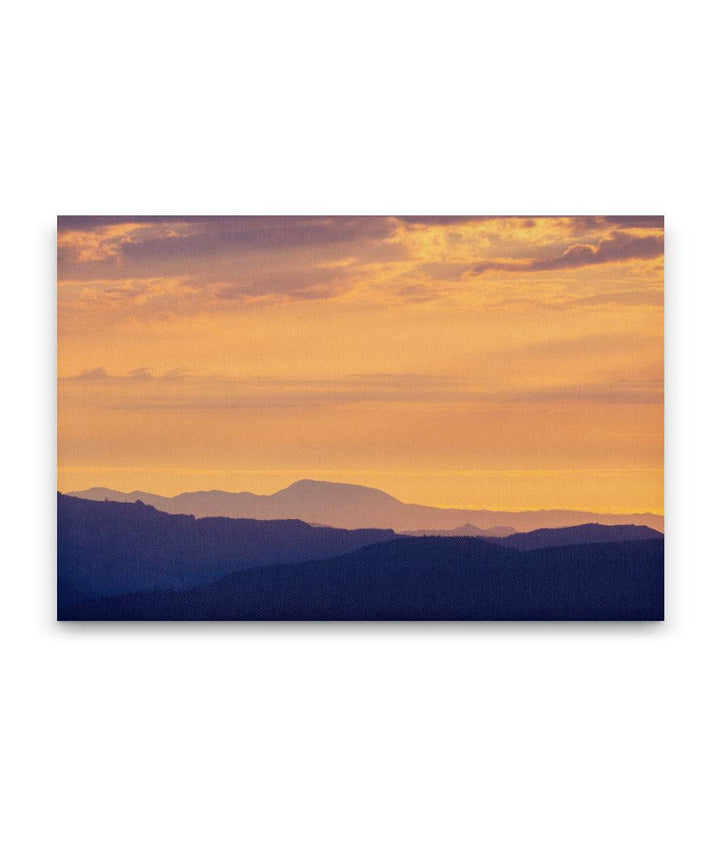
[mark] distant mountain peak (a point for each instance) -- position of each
(351, 506)
(331, 490)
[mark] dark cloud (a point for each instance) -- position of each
(213, 262)
(622, 221)
(203, 236)
(619, 247)
(440, 220)
(579, 223)
(73, 223)
(87, 223)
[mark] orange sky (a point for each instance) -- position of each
(480, 362)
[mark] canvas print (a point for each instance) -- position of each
(451, 418)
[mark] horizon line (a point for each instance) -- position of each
(585, 510)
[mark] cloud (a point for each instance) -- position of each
(222, 392)
(418, 293)
(440, 220)
(525, 221)
(304, 283)
(637, 297)
(82, 223)
(167, 266)
(216, 236)
(90, 223)
(611, 392)
(571, 347)
(578, 223)
(142, 373)
(116, 269)
(93, 374)
(619, 247)
(620, 222)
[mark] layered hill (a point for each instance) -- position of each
(350, 506)
(122, 561)
(419, 579)
(467, 530)
(589, 533)
(110, 547)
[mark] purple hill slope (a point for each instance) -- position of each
(350, 506)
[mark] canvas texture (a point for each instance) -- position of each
(360, 418)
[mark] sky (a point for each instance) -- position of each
(480, 362)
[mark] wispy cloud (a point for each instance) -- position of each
(166, 267)
(636, 297)
(221, 392)
(98, 373)
(619, 247)
(158, 238)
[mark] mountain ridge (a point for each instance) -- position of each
(419, 579)
(107, 547)
(587, 533)
(466, 530)
(347, 506)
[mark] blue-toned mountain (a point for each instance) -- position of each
(110, 547)
(418, 579)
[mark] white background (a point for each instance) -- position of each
(359, 739)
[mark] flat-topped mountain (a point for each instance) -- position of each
(349, 506)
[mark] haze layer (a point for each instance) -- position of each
(508, 363)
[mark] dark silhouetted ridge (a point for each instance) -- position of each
(419, 579)
(589, 533)
(122, 561)
(112, 547)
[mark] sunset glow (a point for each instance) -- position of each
(508, 363)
